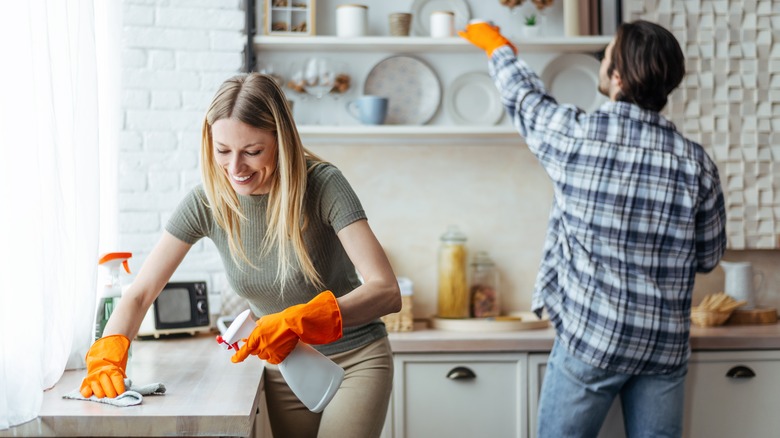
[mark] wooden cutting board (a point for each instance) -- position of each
(514, 322)
(763, 315)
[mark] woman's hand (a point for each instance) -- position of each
(106, 364)
(275, 337)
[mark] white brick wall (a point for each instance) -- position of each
(175, 54)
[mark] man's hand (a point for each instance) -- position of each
(485, 36)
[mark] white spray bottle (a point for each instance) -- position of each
(311, 375)
(111, 290)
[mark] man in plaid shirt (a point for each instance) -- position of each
(637, 211)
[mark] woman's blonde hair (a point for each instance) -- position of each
(255, 99)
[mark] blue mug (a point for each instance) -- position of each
(369, 110)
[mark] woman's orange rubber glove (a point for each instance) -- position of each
(106, 364)
(485, 36)
(315, 322)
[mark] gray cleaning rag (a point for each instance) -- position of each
(132, 396)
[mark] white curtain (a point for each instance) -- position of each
(50, 196)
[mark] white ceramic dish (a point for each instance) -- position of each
(473, 99)
(411, 86)
(573, 78)
(515, 322)
(422, 9)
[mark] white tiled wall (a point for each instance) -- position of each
(729, 102)
(176, 52)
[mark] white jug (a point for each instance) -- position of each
(740, 282)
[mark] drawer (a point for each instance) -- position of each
(460, 396)
(734, 394)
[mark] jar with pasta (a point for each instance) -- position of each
(453, 288)
(485, 299)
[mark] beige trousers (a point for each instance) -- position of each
(357, 410)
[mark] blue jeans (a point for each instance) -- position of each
(576, 397)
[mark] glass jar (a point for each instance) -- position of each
(453, 288)
(484, 296)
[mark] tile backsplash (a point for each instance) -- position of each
(497, 194)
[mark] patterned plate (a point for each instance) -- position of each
(412, 89)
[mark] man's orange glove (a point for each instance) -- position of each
(277, 334)
(106, 364)
(485, 36)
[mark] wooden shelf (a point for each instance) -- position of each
(420, 44)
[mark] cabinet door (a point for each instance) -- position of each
(733, 394)
(468, 395)
(537, 363)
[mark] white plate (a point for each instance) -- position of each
(412, 89)
(422, 9)
(473, 99)
(574, 78)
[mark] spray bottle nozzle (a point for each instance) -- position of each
(116, 257)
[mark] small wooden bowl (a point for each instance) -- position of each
(709, 318)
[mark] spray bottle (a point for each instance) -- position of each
(312, 377)
(111, 290)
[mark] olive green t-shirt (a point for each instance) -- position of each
(330, 205)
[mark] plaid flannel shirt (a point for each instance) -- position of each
(638, 210)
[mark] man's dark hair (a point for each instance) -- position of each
(650, 63)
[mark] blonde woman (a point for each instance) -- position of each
(291, 232)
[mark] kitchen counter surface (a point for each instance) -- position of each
(207, 395)
(747, 337)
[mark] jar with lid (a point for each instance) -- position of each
(484, 295)
(351, 20)
(442, 24)
(453, 288)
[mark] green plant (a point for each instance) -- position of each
(530, 20)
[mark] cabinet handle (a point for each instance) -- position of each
(461, 373)
(740, 372)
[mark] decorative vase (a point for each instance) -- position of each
(530, 31)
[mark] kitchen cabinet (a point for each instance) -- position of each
(730, 393)
(715, 405)
(734, 393)
(613, 423)
(460, 395)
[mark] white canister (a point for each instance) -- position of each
(442, 24)
(351, 20)
(571, 18)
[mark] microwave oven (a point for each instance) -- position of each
(181, 307)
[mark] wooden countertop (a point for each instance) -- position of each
(207, 395)
(753, 337)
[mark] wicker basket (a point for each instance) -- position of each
(402, 321)
(709, 318)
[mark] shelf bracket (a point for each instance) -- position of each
(250, 59)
